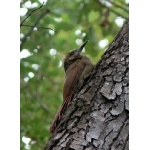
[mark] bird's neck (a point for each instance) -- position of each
(68, 63)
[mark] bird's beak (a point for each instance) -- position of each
(81, 48)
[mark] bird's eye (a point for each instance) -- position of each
(71, 53)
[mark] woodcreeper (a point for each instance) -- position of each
(77, 68)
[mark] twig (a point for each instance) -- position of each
(43, 105)
(119, 6)
(34, 95)
(30, 14)
(30, 31)
(38, 99)
(105, 22)
(36, 27)
(112, 10)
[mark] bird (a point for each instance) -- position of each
(77, 68)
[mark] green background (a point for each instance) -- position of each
(42, 53)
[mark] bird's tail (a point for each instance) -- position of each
(60, 114)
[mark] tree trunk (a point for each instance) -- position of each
(98, 116)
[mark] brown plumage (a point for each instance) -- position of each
(77, 68)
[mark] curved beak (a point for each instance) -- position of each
(81, 48)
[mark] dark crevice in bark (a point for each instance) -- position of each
(106, 137)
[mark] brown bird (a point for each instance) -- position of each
(77, 68)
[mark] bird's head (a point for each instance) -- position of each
(73, 56)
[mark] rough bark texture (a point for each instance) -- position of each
(98, 116)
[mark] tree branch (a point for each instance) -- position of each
(30, 14)
(36, 27)
(37, 96)
(119, 6)
(31, 29)
(112, 10)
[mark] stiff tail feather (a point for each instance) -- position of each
(60, 114)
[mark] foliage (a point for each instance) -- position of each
(42, 54)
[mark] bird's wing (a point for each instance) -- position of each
(72, 79)
(58, 116)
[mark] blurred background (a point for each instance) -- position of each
(42, 52)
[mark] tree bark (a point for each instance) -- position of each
(98, 117)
